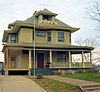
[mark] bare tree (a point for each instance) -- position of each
(94, 10)
(87, 42)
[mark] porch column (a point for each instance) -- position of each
(30, 62)
(83, 59)
(90, 57)
(50, 58)
(6, 60)
(69, 53)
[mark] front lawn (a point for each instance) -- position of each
(54, 86)
(95, 77)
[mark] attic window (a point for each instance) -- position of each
(46, 17)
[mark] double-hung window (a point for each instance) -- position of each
(13, 38)
(61, 56)
(60, 36)
(49, 36)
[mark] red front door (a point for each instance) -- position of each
(40, 60)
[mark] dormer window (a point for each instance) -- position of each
(46, 17)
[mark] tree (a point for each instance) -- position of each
(94, 10)
(87, 42)
(94, 14)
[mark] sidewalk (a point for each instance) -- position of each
(72, 81)
(18, 84)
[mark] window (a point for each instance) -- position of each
(70, 38)
(13, 38)
(61, 36)
(46, 17)
(61, 57)
(49, 36)
(41, 33)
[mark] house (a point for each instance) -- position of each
(41, 41)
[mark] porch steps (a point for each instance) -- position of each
(43, 71)
(91, 88)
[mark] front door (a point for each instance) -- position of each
(40, 60)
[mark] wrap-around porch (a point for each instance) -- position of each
(23, 58)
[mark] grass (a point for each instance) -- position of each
(53, 85)
(85, 76)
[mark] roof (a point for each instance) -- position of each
(5, 35)
(46, 12)
(51, 46)
(30, 23)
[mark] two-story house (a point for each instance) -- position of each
(41, 41)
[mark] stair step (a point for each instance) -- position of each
(86, 86)
(91, 89)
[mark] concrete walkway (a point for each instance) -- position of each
(71, 80)
(18, 84)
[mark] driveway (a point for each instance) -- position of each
(18, 84)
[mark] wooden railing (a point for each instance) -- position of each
(73, 65)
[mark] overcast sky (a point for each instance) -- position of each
(72, 12)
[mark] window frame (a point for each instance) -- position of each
(41, 33)
(49, 36)
(61, 56)
(60, 36)
(47, 17)
(13, 38)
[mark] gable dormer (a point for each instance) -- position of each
(46, 17)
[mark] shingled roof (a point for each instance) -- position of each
(30, 22)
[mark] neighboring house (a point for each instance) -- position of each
(52, 40)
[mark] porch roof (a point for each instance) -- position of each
(51, 46)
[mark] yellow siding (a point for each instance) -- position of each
(40, 39)
(8, 40)
(25, 35)
(25, 61)
(54, 38)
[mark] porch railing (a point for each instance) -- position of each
(73, 65)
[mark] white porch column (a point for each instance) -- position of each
(83, 59)
(30, 62)
(50, 58)
(90, 57)
(69, 53)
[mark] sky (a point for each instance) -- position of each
(72, 12)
